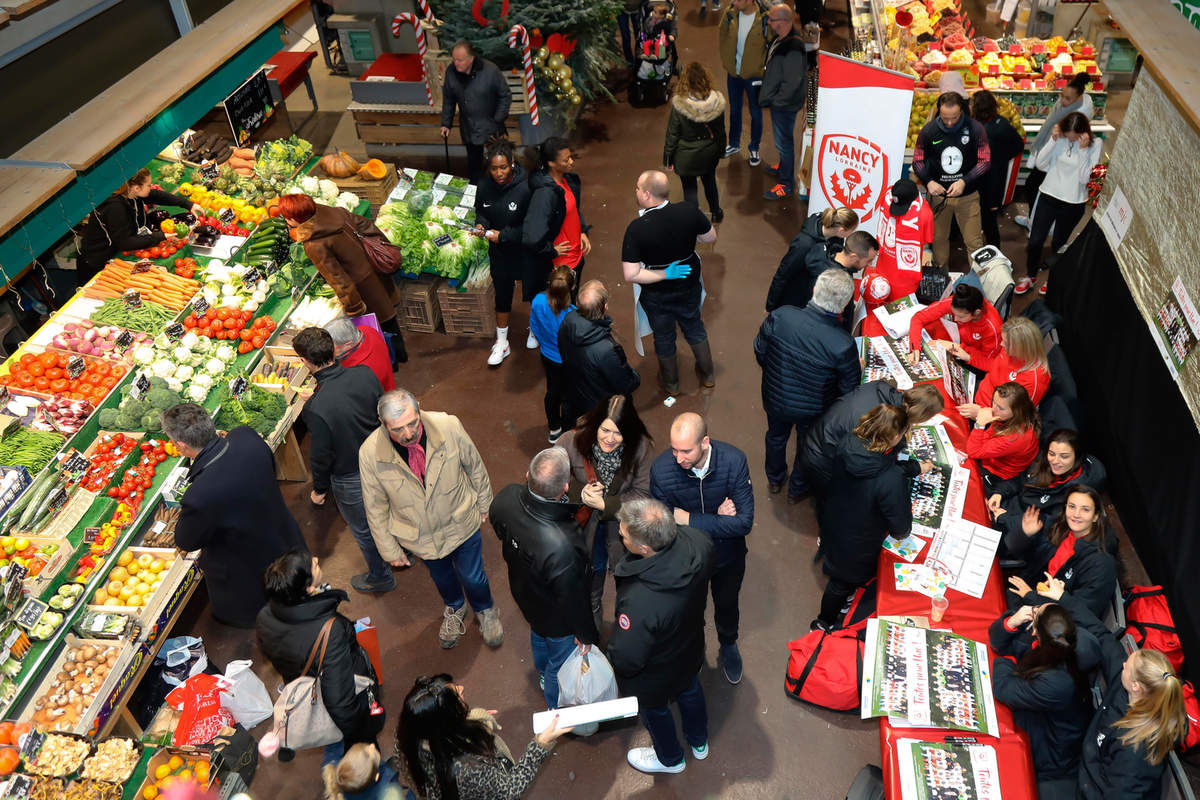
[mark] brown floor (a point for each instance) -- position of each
(763, 744)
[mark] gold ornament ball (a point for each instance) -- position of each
(566, 71)
(574, 99)
(555, 61)
(542, 54)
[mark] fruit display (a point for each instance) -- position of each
(114, 760)
(132, 582)
(59, 755)
(75, 377)
(171, 771)
(21, 551)
(107, 454)
(924, 103)
(217, 201)
(73, 689)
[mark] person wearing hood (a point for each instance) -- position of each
(821, 442)
(868, 499)
(696, 135)
(1042, 678)
(594, 365)
(1071, 98)
(555, 232)
(951, 157)
(500, 208)
(792, 283)
(301, 611)
(657, 647)
(808, 360)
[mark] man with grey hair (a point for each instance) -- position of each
(354, 345)
(549, 569)
(426, 491)
(232, 511)
(808, 361)
(657, 648)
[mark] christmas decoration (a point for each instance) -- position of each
(422, 48)
(519, 37)
(426, 11)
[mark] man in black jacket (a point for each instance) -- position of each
(483, 97)
(594, 364)
(232, 511)
(856, 254)
(548, 565)
(657, 648)
(784, 91)
(808, 361)
(340, 416)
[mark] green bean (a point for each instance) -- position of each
(149, 317)
(30, 449)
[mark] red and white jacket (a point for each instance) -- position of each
(981, 338)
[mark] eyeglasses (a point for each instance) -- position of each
(777, 19)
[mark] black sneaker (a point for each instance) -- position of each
(716, 5)
(817, 625)
(731, 663)
(774, 488)
(755, 158)
(718, 215)
(363, 583)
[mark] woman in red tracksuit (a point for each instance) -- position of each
(1022, 359)
(1005, 436)
(979, 324)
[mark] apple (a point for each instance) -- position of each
(6, 541)
(21, 544)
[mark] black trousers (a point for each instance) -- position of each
(1050, 211)
(475, 163)
(836, 593)
(710, 190)
(991, 224)
(779, 432)
(725, 584)
(1032, 184)
(553, 401)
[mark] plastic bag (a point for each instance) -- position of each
(586, 678)
(245, 695)
(184, 657)
(203, 717)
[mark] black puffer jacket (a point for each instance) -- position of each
(503, 208)
(340, 416)
(483, 100)
(657, 646)
(1090, 574)
(793, 283)
(1048, 707)
(868, 499)
(785, 76)
(286, 635)
(549, 569)
(1020, 494)
(547, 210)
(820, 444)
(595, 364)
(807, 359)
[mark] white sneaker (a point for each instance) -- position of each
(700, 753)
(1023, 221)
(500, 351)
(644, 759)
(531, 342)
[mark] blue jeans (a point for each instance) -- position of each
(600, 549)
(664, 313)
(347, 492)
(387, 776)
(779, 431)
(661, 724)
(626, 24)
(783, 127)
(736, 87)
(463, 569)
(549, 653)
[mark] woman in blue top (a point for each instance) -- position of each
(545, 315)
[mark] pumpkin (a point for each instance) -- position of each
(273, 207)
(338, 165)
(373, 170)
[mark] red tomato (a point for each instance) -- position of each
(211, 313)
(117, 371)
(36, 369)
(54, 373)
(244, 347)
(230, 324)
(58, 385)
(42, 383)
(257, 342)
(246, 335)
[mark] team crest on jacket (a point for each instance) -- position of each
(852, 172)
(623, 621)
(1045, 499)
(1012, 376)
(512, 206)
(976, 335)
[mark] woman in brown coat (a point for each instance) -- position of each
(343, 263)
(611, 453)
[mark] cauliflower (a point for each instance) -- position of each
(310, 185)
(184, 373)
(348, 201)
(144, 355)
(295, 190)
(329, 189)
(163, 368)
(202, 379)
(181, 354)
(214, 367)
(197, 393)
(175, 385)
(190, 340)
(226, 353)
(203, 346)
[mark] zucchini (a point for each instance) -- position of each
(33, 497)
(43, 503)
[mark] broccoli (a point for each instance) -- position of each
(127, 421)
(134, 408)
(162, 399)
(157, 382)
(152, 421)
(109, 418)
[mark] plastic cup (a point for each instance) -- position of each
(938, 608)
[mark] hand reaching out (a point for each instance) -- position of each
(969, 410)
(1018, 585)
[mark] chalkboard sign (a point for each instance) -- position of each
(209, 171)
(133, 298)
(238, 386)
(30, 613)
(75, 367)
(199, 305)
(142, 265)
(249, 107)
(251, 277)
(140, 384)
(443, 240)
(124, 340)
(174, 331)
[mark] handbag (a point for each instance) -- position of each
(384, 256)
(301, 719)
(584, 514)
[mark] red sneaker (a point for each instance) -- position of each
(1043, 287)
(777, 192)
(1023, 285)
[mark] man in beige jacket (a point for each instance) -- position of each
(426, 492)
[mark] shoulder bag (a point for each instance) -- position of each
(384, 256)
(301, 719)
(584, 514)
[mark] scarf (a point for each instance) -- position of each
(607, 464)
(1070, 476)
(416, 455)
(1064, 553)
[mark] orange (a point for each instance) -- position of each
(162, 771)
(202, 771)
(149, 793)
(186, 775)
(175, 763)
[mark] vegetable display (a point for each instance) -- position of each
(51, 373)
(144, 413)
(261, 409)
(62, 415)
(325, 192)
(432, 241)
(30, 449)
(290, 153)
(149, 317)
(89, 339)
(75, 686)
(339, 165)
(154, 284)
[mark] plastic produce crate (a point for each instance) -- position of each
(469, 313)
(419, 310)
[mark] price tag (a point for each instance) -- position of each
(1038, 48)
(269, 268)
(90, 535)
(124, 340)
(993, 69)
(410, 172)
(461, 212)
(209, 171)
(75, 367)
(297, 293)
(140, 385)
(20, 787)
(438, 195)
(76, 463)
(238, 386)
(142, 265)
(443, 240)
(132, 298)
(29, 614)
(185, 141)
(442, 179)
(59, 498)
(32, 744)
(199, 304)
(3, 394)
(174, 331)
(226, 215)
(251, 277)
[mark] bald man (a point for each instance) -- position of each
(659, 255)
(784, 90)
(707, 484)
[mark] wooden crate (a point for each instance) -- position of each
(419, 310)
(375, 192)
(469, 313)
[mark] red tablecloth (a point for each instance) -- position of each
(967, 616)
(289, 69)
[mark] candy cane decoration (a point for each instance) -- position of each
(518, 36)
(426, 12)
(422, 48)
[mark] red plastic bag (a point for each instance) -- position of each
(1151, 624)
(202, 716)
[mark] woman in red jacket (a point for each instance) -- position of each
(978, 322)
(1005, 436)
(1022, 358)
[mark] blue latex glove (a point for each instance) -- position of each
(677, 269)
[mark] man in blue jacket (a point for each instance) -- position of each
(707, 485)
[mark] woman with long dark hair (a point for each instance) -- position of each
(555, 232)
(546, 315)
(1046, 689)
(1006, 144)
(1078, 549)
(453, 752)
(611, 453)
(1005, 436)
(696, 135)
(500, 209)
(1062, 462)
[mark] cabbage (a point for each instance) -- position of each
(441, 214)
(434, 230)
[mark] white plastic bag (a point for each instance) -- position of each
(586, 678)
(245, 695)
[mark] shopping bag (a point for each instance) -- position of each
(184, 657)
(202, 717)
(586, 678)
(245, 695)
(368, 639)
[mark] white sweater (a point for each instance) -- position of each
(1068, 168)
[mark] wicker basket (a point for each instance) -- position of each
(375, 192)
(469, 313)
(419, 310)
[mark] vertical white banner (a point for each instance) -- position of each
(862, 124)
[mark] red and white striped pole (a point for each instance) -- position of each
(422, 48)
(426, 12)
(519, 37)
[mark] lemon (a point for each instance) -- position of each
(125, 558)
